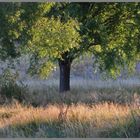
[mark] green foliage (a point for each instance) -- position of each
(52, 38)
(11, 29)
(9, 89)
(109, 31)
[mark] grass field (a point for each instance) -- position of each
(91, 109)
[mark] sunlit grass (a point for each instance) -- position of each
(81, 120)
(90, 109)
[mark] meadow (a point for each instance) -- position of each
(91, 109)
(85, 46)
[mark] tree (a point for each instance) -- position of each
(8, 25)
(109, 31)
(63, 31)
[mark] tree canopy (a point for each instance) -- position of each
(110, 31)
(64, 31)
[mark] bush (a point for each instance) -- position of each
(9, 88)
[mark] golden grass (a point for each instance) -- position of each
(106, 111)
(81, 120)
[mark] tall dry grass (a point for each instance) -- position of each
(82, 90)
(81, 120)
(94, 109)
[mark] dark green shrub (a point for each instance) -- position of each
(9, 88)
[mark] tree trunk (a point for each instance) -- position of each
(64, 84)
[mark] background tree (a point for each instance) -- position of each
(64, 31)
(9, 18)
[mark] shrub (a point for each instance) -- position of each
(9, 88)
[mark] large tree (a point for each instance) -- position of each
(61, 32)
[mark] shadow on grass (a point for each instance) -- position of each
(33, 130)
(130, 129)
(59, 129)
